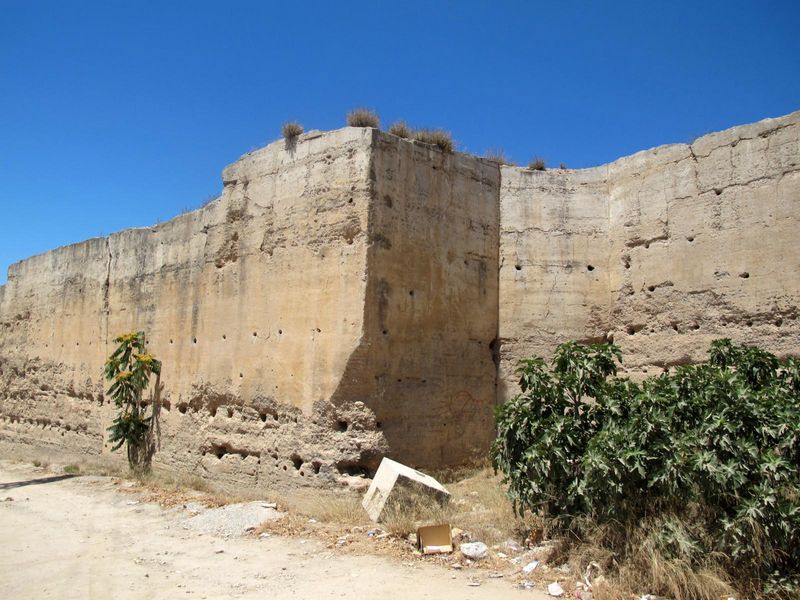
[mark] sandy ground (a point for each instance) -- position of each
(80, 537)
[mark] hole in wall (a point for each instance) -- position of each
(630, 330)
(316, 465)
(297, 462)
(212, 410)
(255, 334)
(224, 337)
(230, 413)
(342, 425)
(280, 331)
(744, 275)
(241, 375)
(263, 417)
(518, 267)
(779, 322)
(589, 267)
(717, 191)
(385, 332)
(378, 425)
(674, 326)
(749, 323)
(695, 326)
(651, 288)
(170, 341)
(690, 239)
(410, 292)
(182, 408)
(194, 340)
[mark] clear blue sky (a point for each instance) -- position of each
(117, 114)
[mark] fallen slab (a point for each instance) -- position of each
(393, 479)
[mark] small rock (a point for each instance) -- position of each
(554, 589)
(219, 551)
(474, 550)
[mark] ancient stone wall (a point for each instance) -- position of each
(425, 364)
(355, 295)
(698, 243)
(254, 304)
(554, 274)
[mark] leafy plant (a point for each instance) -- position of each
(129, 369)
(363, 117)
(712, 449)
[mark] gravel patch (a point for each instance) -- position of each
(233, 519)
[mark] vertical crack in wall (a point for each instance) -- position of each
(107, 293)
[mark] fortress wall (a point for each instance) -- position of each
(700, 243)
(356, 295)
(254, 304)
(704, 245)
(426, 366)
(554, 271)
(53, 342)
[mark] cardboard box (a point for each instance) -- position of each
(434, 539)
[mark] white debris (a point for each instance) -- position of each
(474, 550)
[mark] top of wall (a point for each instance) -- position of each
(271, 157)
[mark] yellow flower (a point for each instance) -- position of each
(145, 358)
(123, 375)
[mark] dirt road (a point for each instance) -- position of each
(79, 537)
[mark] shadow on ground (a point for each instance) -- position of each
(17, 484)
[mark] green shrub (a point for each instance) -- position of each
(713, 447)
(291, 130)
(72, 469)
(363, 117)
(537, 164)
(436, 137)
(400, 129)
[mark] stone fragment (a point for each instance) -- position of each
(474, 550)
(392, 481)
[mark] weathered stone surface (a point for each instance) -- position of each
(687, 243)
(355, 295)
(392, 480)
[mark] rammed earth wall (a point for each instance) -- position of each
(354, 295)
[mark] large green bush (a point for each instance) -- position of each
(714, 447)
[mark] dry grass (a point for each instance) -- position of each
(537, 164)
(291, 130)
(499, 156)
(436, 137)
(633, 558)
(363, 117)
(400, 129)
